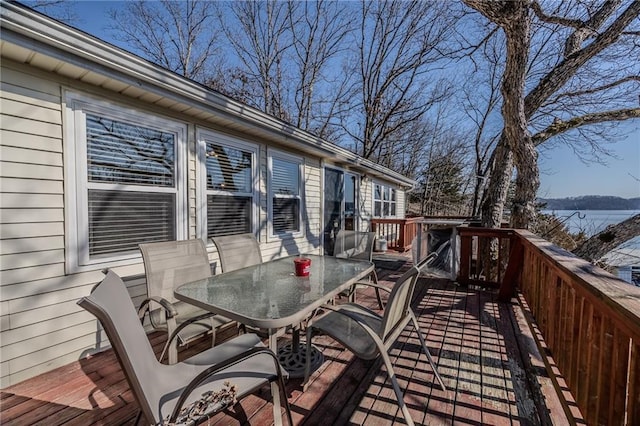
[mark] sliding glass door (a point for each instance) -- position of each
(340, 204)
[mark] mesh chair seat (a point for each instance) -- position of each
(348, 329)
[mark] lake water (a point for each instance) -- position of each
(593, 221)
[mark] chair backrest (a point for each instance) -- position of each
(169, 264)
(110, 302)
(354, 244)
(397, 308)
(238, 251)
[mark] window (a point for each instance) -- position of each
(128, 189)
(230, 175)
(285, 194)
(384, 201)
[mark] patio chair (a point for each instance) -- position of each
(368, 334)
(168, 265)
(195, 388)
(357, 245)
(237, 251)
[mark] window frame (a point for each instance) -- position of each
(206, 135)
(77, 185)
(284, 156)
(383, 202)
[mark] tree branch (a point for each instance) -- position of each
(561, 126)
(599, 88)
(574, 23)
(560, 74)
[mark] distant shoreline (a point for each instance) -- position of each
(590, 202)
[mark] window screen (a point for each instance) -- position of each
(229, 189)
(123, 153)
(119, 220)
(126, 165)
(285, 190)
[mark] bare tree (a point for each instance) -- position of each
(259, 32)
(444, 180)
(481, 98)
(586, 79)
(58, 9)
(179, 36)
(397, 46)
(318, 30)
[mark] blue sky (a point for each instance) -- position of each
(562, 174)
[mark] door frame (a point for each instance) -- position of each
(357, 196)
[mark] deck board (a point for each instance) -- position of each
(471, 337)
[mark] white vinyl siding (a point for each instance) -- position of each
(129, 181)
(228, 186)
(32, 229)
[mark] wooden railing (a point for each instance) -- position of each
(588, 320)
(397, 232)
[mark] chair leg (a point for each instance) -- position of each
(307, 365)
(396, 389)
(278, 386)
(426, 351)
(275, 394)
(352, 294)
(173, 347)
(374, 276)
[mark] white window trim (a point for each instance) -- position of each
(271, 153)
(76, 106)
(373, 200)
(203, 136)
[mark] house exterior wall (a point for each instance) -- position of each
(42, 327)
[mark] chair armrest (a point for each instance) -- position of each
(179, 328)
(372, 284)
(164, 303)
(202, 377)
(365, 327)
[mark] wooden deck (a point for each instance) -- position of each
(484, 351)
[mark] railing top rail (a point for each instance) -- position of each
(485, 232)
(614, 293)
(398, 221)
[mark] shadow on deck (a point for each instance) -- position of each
(483, 349)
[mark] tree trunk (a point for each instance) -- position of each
(517, 33)
(496, 192)
(613, 236)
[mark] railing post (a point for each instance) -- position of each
(465, 259)
(514, 267)
(401, 229)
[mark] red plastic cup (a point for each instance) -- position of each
(303, 265)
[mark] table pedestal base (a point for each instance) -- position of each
(293, 358)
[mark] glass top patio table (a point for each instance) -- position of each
(269, 295)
